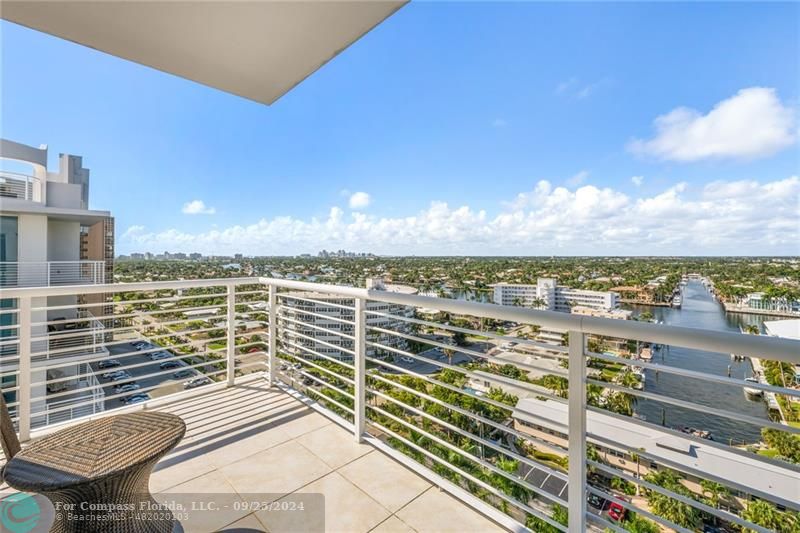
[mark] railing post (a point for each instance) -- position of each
(577, 432)
(24, 380)
(231, 334)
(360, 365)
(272, 354)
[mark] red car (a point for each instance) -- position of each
(616, 511)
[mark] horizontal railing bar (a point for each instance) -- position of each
(510, 453)
(493, 490)
(129, 380)
(139, 286)
(314, 353)
(316, 328)
(296, 333)
(633, 508)
(667, 369)
(297, 311)
(475, 416)
(57, 351)
(322, 398)
(490, 358)
(688, 469)
(448, 386)
(328, 371)
(477, 460)
(120, 355)
(312, 301)
(461, 370)
(476, 333)
(98, 375)
(694, 406)
(108, 303)
(728, 517)
(117, 396)
(317, 379)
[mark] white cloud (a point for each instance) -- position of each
(133, 231)
(575, 88)
(731, 217)
(197, 207)
(637, 180)
(751, 124)
(359, 200)
(578, 178)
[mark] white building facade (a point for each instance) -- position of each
(304, 315)
(49, 236)
(549, 295)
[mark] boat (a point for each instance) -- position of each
(750, 391)
(646, 354)
(703, 434)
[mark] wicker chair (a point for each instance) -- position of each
(8, 435)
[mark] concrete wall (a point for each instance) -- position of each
(32, 238)
(63, 240)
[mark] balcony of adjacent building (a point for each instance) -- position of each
(20, 186)
(411, 423)
(51, 273)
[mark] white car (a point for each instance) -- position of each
(407, 359)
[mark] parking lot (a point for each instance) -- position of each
(163, 384)
(421, 367)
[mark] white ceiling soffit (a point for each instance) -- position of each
(255, 49)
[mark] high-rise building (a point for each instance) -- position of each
(49, 236)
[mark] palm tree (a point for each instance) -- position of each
(715, 492)
(765, 514)
(449, 352)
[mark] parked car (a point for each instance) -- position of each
(308, 382)
(616, 511)
(185, 373)
(156, 356)
(110, 375)
(596, 501)
(120, 376)
(108, 363)
(127, 387)
(196, 382)
(142, 345)
(166, 365)
(407, 359)
(137, 398)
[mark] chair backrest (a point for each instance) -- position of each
(8, 435)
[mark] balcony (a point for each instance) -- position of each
(20, 186)
(47, 273)
(516, 432)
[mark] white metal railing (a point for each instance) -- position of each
(535, 430)
(22, 186)
(47, 273)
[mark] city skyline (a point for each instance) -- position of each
(518, 143)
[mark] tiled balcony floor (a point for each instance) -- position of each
(253, 440)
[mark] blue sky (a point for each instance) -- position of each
(472, 128)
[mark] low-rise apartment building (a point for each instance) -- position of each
(639, 450)
(316, 322)
(549, 295)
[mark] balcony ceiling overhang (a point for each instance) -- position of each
(256, 49)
